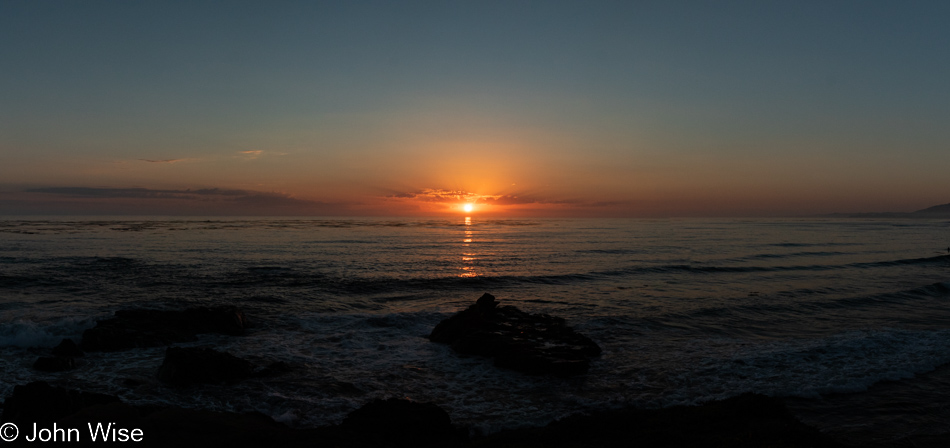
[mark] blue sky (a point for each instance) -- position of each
(574, 108)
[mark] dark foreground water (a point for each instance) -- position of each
(685, 310)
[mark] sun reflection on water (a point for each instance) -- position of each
(468, 256)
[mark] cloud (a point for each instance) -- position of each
(610, 203)
(441, 195)
(251, 155)
(508, 199)
(85, 192)
(178, 201)
(246, 196)
(438, 195)
(523, 203)
(162, 161)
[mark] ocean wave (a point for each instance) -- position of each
(828, 244)
(847, 362)
(289, 277)
(25, 332)
(801, 304)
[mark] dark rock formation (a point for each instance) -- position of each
(188, 365)
(67, 349)
(62, 359)
(43, 404)
(54, 364)
(532, 343)
(744, 421)
(152, 328)
(749, 420)
(402, 423)
(162, 427)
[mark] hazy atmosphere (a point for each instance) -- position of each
(621, 109)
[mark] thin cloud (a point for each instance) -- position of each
(204, 194)
(251, 155)
(508, 199)
(610, 203)
(442, 195)
(162, 161)
(521, 202)
(172, 202)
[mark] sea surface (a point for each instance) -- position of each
(831, 313)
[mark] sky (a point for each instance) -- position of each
(544, 108)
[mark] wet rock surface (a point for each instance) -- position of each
(153, 328)
(536, 344)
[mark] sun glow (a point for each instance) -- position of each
(468, 208)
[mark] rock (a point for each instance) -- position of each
(152, 328)
(43, 404)
(275, 368)
(402, 423)
(54, 364)
(188, 365)
(68, 349)
(535, 344)
(748, 420)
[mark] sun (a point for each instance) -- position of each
(468, 208)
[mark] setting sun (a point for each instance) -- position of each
(468, 208)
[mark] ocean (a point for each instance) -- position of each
(847, 318)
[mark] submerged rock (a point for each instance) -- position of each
(68, 349)
(535, 344)
(54, 364)
(189, 365)
(152, 328)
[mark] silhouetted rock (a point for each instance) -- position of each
(67, 349)
(152, 328)
(43, 404)
(745, 421)
(531, 343)
(54, 364)
(749, 420)
(188, 365)
(162, 426)
(402, 423)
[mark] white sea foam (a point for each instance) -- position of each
(26, 332)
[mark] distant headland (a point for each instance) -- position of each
(937, 211)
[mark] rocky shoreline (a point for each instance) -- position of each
(745, 421)
(534, 344)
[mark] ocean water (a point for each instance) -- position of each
(685, 310)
